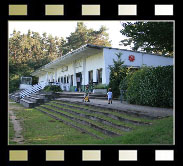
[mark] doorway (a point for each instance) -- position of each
(79, 81)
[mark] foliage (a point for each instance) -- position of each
(83, 36)
(117, 73)
(152, 37)
(124, 84)
(52, 88)
(14, 83)
(100, 86)
(151, 86)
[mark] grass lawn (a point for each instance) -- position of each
(39, 128)
(160, 132)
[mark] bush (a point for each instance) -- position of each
(124, 85)
(52, 88)
(14, 83)
(100, 86)
(151, 86)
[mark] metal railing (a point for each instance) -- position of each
(35, 88)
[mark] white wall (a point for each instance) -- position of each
(94, 62)
(140, 59)
(61, 73)
(42, 78)
(154, 60)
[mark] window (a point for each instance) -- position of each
(90, 74)
(67, 79)
(99, 79)
(61, 79)
(64, 79)
(58, 79)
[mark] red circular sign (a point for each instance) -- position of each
(131, 58)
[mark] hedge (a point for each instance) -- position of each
(52, 88)
(14, 83)
(151, 86)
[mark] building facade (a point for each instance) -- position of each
(90, 64)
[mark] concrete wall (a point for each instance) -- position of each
(153, 60)
(140, 59)
(93, 63)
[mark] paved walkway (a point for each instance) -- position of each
(154, 112)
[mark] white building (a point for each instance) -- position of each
(90, 63)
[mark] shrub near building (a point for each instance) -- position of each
(52, 88)
(151, 86)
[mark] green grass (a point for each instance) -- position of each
(39, 128)
(161, 132)
(76, 123)
(42, 129)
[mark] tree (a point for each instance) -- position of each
(28, 52)
(117, 73)
(83, 36)
(151, 37)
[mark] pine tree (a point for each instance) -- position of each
(117, 74)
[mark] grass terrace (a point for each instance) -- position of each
(64, 123)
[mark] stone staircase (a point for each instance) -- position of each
(35, 88)
(20, 94)
(97, 122)
(33, 96)
(36, 99)
(81, 95)
(15, 96)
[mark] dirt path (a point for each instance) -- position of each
(18, 138)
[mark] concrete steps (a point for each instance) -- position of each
(82, 121)
(109, 113)
(28, 103)
(36, 99)
(91, 117)
(82, 130)
(99, 124)
(81, 95)
(15, 96)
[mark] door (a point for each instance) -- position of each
(79, 80)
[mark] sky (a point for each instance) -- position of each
(64, 28)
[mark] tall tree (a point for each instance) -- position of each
(27, 52)
(151, 37)
(117, 73)
(83, 35)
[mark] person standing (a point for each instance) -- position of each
(109, 95)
